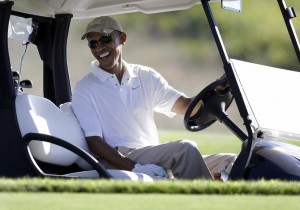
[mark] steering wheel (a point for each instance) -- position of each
(215, 103)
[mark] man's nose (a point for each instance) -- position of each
(99, 46)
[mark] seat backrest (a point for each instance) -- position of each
(36, 114)
(80, 139)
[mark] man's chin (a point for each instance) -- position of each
(107, 68)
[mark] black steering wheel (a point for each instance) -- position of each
(215, 103)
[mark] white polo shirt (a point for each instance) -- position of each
(122, 114)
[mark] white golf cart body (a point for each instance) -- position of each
(264, 124)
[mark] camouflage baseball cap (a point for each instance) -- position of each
(103, 24)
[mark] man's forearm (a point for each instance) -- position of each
(99, 147)
(182, 104)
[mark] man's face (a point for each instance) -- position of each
(108, 54)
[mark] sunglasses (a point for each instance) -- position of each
(102, 41)
(106, 39)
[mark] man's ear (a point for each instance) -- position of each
(123, 38)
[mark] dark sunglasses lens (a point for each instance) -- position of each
(93, 44)
(105, 39)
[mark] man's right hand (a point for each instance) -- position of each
(150, 169)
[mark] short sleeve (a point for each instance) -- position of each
(82, 105)
(164, 95)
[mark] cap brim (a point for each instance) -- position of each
(101, 31)
(83, 37)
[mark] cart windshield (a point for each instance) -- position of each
(271, 98)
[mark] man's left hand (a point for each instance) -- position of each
(225, 85)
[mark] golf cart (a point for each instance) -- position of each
(33, 143)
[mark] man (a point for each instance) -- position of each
(114, 104)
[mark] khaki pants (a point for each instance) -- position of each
(182, 157)
(220, 163)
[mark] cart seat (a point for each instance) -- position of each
(39, 115)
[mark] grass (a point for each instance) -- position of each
(208, 143)
(45, 201)
(199, 187)
(75, 194)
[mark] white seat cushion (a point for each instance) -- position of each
(39, 115)
(116, 174)
(80, 139)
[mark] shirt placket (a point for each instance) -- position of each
(122, 88)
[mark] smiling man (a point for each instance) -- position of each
(115, 102)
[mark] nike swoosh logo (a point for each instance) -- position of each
(134, 88)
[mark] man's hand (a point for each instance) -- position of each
(223, 86)
(150, 169)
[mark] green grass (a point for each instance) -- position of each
(52, 194)
(262, 187)
(208, 143)
(47, 201)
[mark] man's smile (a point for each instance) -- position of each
(104, 55)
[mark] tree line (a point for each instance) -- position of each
(258, 34)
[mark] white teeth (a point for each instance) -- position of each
(104, 55)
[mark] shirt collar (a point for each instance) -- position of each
(104, 75)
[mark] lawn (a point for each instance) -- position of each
(208, 142)
(78, 201)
